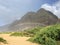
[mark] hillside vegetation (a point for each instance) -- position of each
(48, 35)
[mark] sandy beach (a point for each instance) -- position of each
(16, 40)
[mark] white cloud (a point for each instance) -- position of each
(48, 7)
(55, 8)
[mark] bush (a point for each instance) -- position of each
(48, 35)
(33, 31)
(16, 34)
(3, 40)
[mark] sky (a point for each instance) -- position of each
(11, 10)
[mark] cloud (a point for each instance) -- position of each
(49, 7)
(55, 8)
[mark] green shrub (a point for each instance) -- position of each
(16, 34)
(3, 40)
(48, 35)
(32, 32)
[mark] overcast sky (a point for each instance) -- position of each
(11, 10)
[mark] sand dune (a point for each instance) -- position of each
(16, 40)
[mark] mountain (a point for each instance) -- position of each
(32, 19)
(41, 16)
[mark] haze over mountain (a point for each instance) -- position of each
(32, 19)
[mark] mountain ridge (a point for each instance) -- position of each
(33, 19)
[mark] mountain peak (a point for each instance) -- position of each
(41, 16)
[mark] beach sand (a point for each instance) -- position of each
(11, 40)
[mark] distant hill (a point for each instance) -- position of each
(33, 19)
